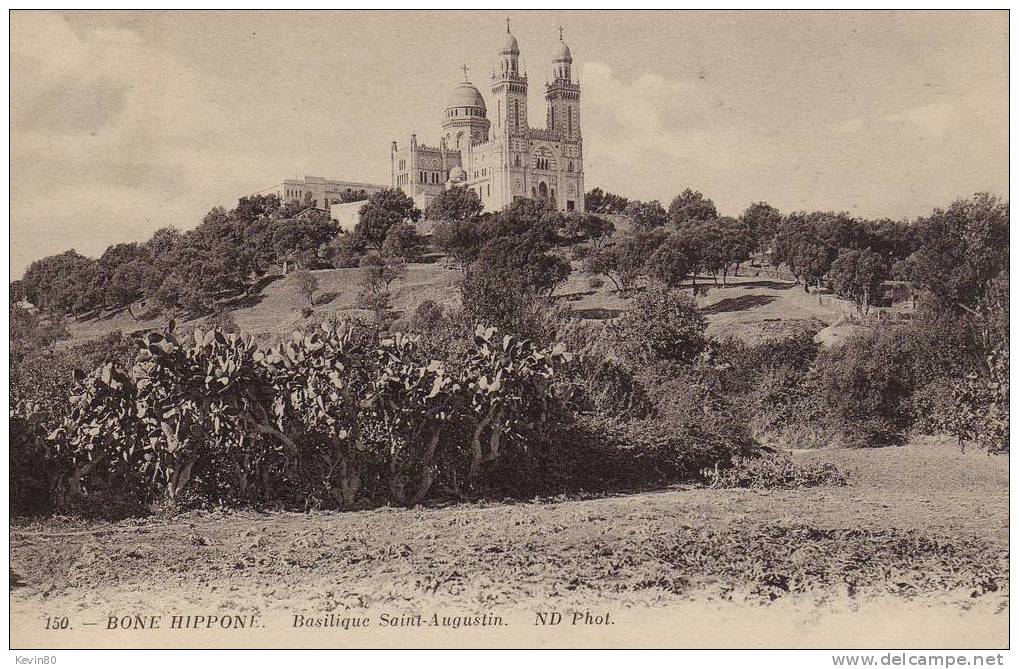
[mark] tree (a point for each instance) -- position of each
(384, 209)
(404, 241)
(31, 332)
(691, 206)
(626, 260)
(692, 241)
(377, 272)
(525, 258)
(669, 264)
(505, 301)
(461, 241)
(131, 282)
(662, 324)
(350, 195)
(376, 275)
(345, 250)
(600, 202)
(296, 241)
(895, 240)
(455, 204)
(962, 248)
(800, 245)
(56, 282)
(647, 215)
(763, 221)
(162, 242)
(254, 207)
(605, 262)
(594, 228)
(727, 244)
(306, 284)
(537, 219)
(857, 275)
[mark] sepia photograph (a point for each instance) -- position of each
(510, 329)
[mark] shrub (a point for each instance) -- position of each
(221, 320)
(404, 241)
(662, 324)
(579, 252)
(775, 471)
(338, 414)
(345, 251)
(306, 284)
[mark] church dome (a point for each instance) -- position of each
(465, 95)
(509, 45)
(457, 174)
(563, 52)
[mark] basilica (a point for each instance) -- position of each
(492, 149)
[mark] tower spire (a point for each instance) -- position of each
(560, 33)
(507, 25)
(464, 68)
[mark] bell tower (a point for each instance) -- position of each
(509, 90)
(563, 95)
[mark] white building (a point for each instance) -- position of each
(492, 149)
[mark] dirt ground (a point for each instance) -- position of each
(914, 552)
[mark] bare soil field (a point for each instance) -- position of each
(914, 551)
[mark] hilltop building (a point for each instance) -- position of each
(491, 148)
(324, 192)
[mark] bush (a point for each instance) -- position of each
(404, 241)
(221, 320)
(662, 324)
(341, 415)
(345, 251)
(775, 472)
(866, 383)
(579, 252)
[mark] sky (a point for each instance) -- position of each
(126, 122)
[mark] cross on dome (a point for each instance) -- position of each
(465, 71)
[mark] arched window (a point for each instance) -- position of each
(516, 114)
(571, 165)
(551, 116)
(569, 123)
(516, 161)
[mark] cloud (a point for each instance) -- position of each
(933, 119)
(666, 133)
(111, 138)
(849, 126)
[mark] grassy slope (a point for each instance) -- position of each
(753, 307)
(921, 526)
(276, 309)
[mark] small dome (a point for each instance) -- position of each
(563, 53)
(457, 174)
(509, 45)
(465, 95)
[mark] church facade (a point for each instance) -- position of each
(492, 149)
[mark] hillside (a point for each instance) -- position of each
(754, 307)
